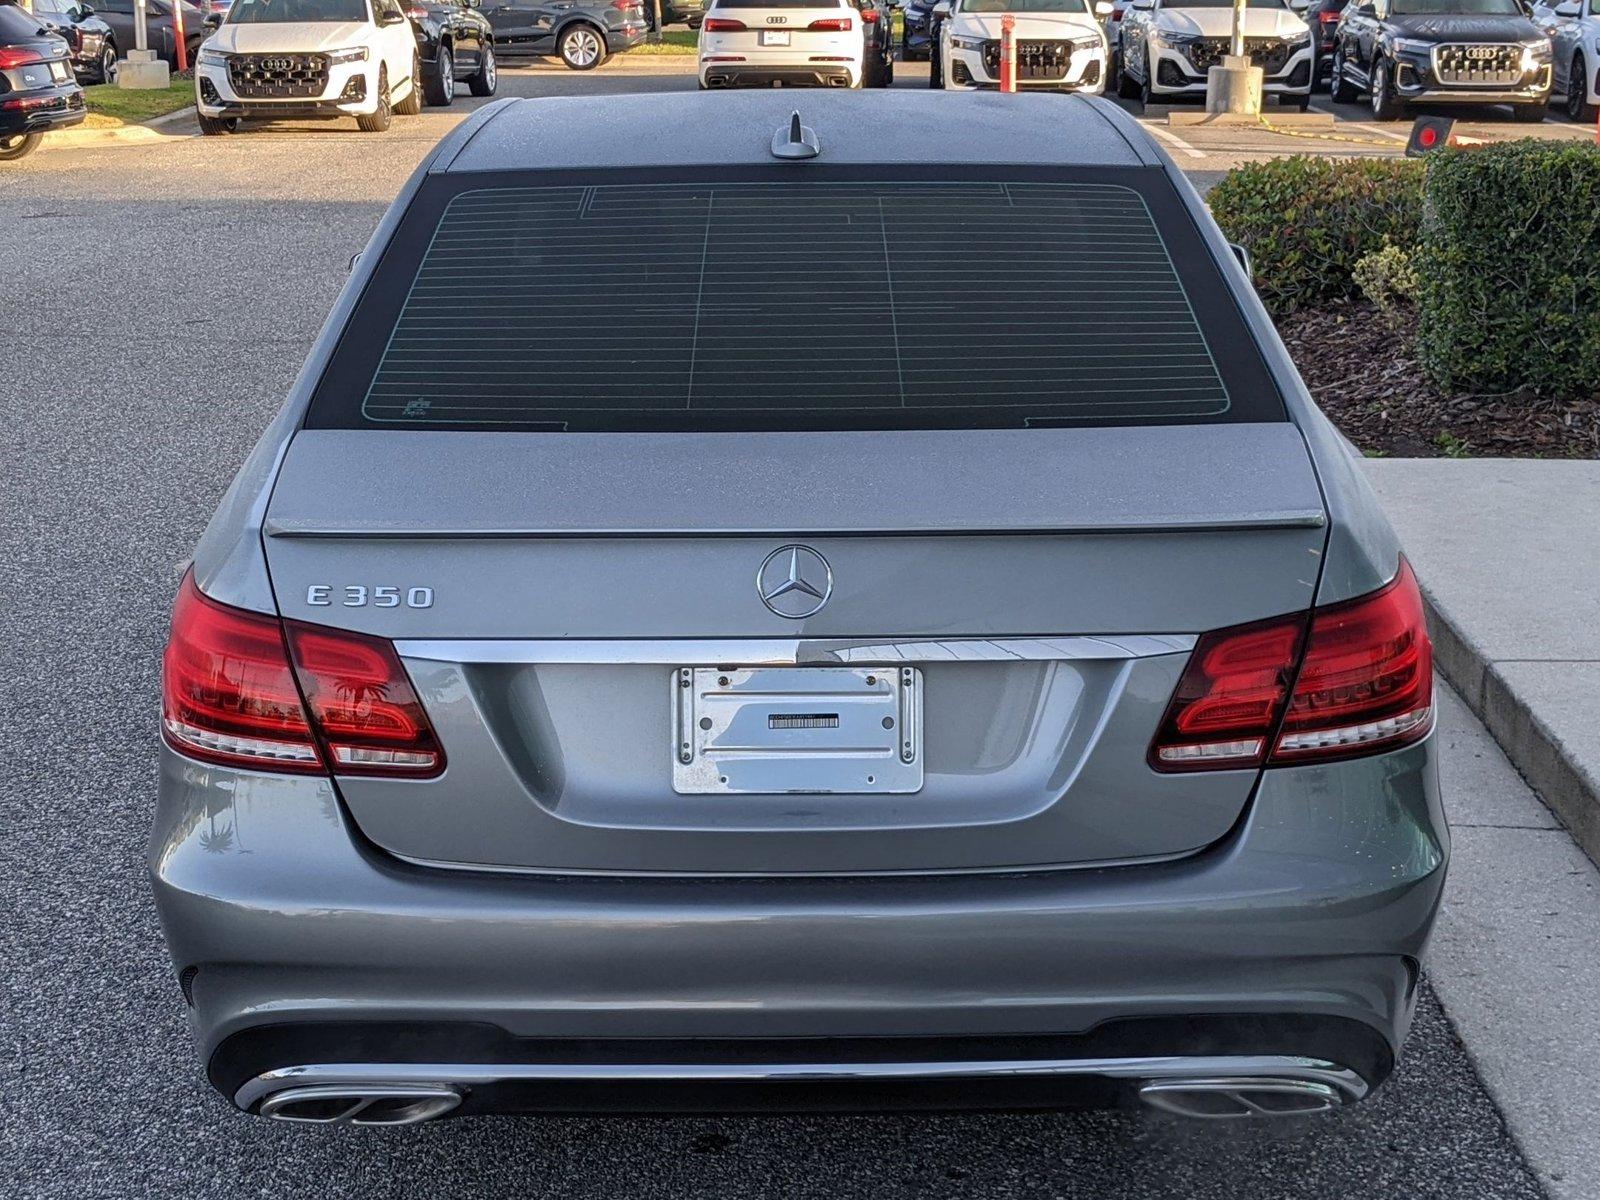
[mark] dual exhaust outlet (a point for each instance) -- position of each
(1219, 1098)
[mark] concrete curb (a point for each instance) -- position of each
(1568, 789)
(145, 132)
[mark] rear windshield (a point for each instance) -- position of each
(822, 304)
(19, 23)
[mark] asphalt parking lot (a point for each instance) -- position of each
(160, 299)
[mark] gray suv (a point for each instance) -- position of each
(666, 655)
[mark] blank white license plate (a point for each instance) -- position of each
(774, 730)
(774, 37)
(59, 72)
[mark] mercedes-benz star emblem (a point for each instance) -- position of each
(794, 581)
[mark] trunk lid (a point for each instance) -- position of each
(549, 592)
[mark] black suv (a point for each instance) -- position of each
(1323, 18)
(1442, 52)
(455, 42)
(37, 88)
(94, 48)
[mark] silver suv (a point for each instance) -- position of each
(666, 655)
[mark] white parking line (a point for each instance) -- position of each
(1173, 138)
(1382, 132)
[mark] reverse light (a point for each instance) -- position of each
(722, 25)
(247, 690)
(1361, 674)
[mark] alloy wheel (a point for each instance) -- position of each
(582, 48)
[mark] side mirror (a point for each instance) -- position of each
(1143, 5)
(1568, 10)
(213, 22)
(85, 10)
(392, 18)
(1299, 6)
(1104, 8)
(942, 9)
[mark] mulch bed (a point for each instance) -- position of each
(1361, 369)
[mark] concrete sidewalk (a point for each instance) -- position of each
(1508, 553)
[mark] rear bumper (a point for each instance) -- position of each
(58, 108)
(1297, 937)
(731, 75)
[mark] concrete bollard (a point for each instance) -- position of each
(1234, 87)
(142, 70)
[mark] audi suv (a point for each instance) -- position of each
(795, 692)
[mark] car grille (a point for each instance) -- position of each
(1035, 60)
(1270, 54)
(278, 76)
(1486, 65)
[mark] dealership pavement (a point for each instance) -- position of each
(125, 411)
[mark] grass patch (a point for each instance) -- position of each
(110, 106)
(673, 41)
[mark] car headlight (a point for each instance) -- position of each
(1173, 41)
(1086, 43)
(966, 43)
(353, 54)
(1411, 46)
(1298, 39)
(213, 58)
(1535, 53)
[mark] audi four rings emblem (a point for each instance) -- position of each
(794, 581)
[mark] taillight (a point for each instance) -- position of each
(1367, 679)
(417, 13)
(1116, 14)
(1363, 683)
(362, 702)
(1328, 18)
(228, 692)
(722, 25)
(832, 25)
(233, 683)
(17, 56)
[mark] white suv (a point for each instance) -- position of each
(1059, 44)
(757, 43)
(308, 58)
(1574, 29)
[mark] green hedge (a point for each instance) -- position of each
(1308, 221)
(1508, 292)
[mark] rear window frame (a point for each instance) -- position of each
(1254, 393)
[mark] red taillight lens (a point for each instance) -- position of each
(1367, 679)
(832, 25)
(363, 703)
(232, 688)
(1364, 683)
(417, 13)
(1328, 18)
(228, 694)
(1116, 14)
(17, 56)
(722, 25)
(1230, 697)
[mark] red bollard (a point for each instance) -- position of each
(1008, 53)
(177, 35)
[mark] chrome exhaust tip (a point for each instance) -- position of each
(1231, 1099)
(339, 1104)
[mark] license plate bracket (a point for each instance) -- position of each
(774, 37)
(807, 730)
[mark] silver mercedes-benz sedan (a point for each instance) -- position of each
(737, 614)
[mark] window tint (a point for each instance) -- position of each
(795, 306)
